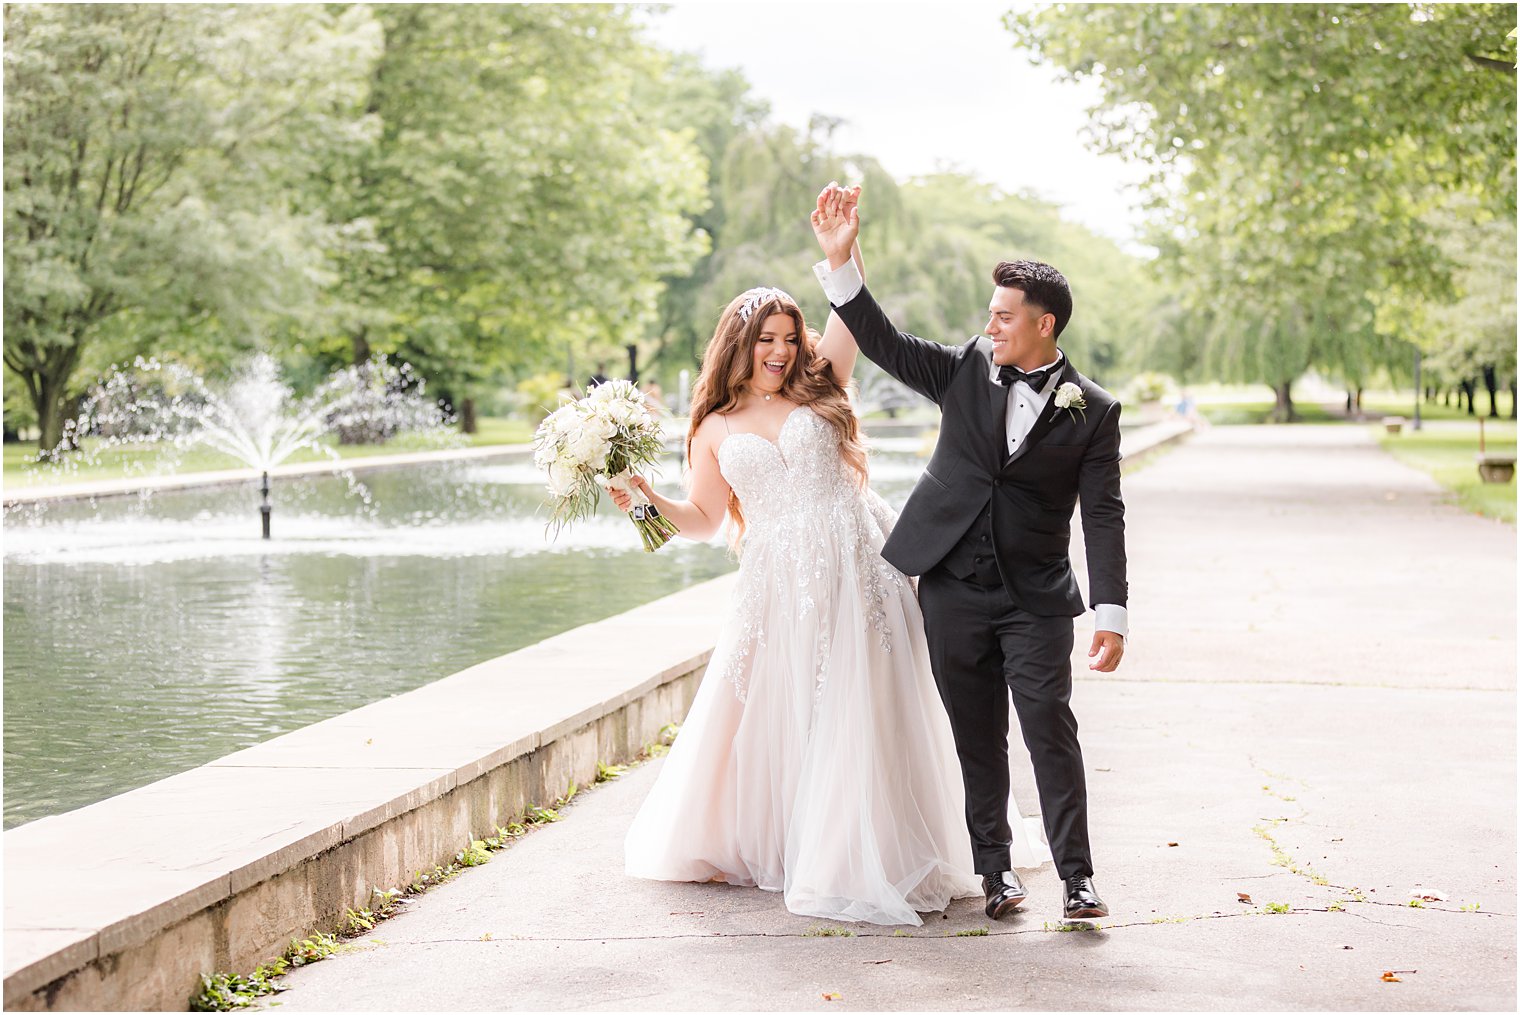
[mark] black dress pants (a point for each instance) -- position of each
(982, 647)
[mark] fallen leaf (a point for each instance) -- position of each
(1243, 897)
(875, 962)
(1171, 844)
(1103, 770)
(1387, 978)
(1428, 894)
(1347, 948)
(831, 997)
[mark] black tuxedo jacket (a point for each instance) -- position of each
(1069, 455)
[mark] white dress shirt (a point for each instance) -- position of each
(843, 284)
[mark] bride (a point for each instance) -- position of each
(817, 758)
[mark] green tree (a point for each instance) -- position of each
(718, 107)
(1297, 151)
(517, 200)
(148, 149)
(959, 227)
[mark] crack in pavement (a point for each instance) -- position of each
(1285, 860)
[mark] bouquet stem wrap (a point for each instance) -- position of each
(654, 528)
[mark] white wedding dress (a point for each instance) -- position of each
(817, 759)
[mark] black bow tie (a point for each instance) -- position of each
(1035, 379)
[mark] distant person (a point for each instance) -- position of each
(1187, 409)
(600, 377)
(654, 395)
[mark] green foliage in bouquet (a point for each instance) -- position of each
(599, 440)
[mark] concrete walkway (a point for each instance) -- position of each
(1317, 713)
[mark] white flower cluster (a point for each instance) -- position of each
(574, 443)
(1069, 396)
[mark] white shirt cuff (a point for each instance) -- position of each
(840, 285)
(1112, 618)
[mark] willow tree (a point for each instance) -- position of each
(1296, 153)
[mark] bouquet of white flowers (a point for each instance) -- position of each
(599, 441)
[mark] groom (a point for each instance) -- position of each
(1023, 437)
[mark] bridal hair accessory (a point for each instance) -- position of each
(754, 297)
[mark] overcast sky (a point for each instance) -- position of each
(921, 86)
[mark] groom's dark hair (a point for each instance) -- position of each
(1041, 284)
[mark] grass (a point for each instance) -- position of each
(1226, 405)
(1448, 453)
(1245, 413)
(21, 459)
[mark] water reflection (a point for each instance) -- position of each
(146, 637)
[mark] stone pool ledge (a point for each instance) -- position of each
(133, 485)
(124, 903)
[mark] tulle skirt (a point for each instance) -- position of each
(817, 759)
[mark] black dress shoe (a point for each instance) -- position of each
(1082, 902)
(1003, 897)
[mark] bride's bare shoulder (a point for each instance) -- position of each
(711, 431)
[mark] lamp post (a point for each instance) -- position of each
(1418, 391)
(264, 505)
(683, 408)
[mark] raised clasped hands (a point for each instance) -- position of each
(836, 222)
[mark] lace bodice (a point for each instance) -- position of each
(812, 535)
(792, 481)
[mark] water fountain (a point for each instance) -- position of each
(256, 419)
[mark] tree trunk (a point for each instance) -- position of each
(1282, 412)
(467, 422)
(361, 346)
(52, 409)
(1469, 390)
(1512, 400)
(1491, 382)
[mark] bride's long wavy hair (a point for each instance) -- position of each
(729, 361)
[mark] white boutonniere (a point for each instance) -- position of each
(1069, 397)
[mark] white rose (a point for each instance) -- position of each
(589, 446)
(563, 478)
(620, 413)
(563, 420)
(604, 421)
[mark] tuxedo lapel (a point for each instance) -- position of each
(1049, 417)
(994, 411)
